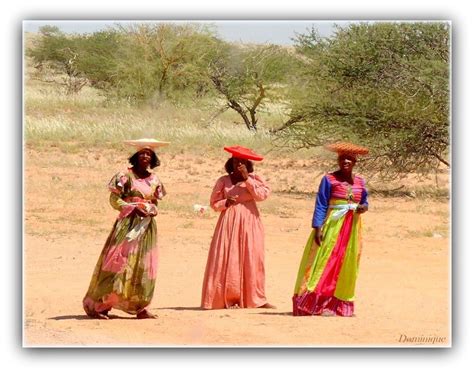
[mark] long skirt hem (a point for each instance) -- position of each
(210, 307)
(92, 308)
(310, 303)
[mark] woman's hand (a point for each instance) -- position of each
(146, 210)
(231, 200)
(318, 235)
(153, 212)
(362, 208)
(142, 212)
(243, 171)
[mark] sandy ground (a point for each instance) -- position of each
(403, 290)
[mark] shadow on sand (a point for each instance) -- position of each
(181, 308)
(85, 317)
(289, 313)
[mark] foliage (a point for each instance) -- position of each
(385, 85)
(59, 52)
(155, 61)
(98, 57)
(247, 76)
(137, 63)
(148, 62)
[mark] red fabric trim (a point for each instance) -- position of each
(327, 283)
(311, 303)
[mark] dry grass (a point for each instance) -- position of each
(73, 123)
(88, 120)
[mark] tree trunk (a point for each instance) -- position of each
(257, 102)
(236, 106)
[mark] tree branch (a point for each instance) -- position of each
(445, 162)
(289, 122)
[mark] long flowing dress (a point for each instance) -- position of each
(327, 274)
(235, 270)
(125, 273)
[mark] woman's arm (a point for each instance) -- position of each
(322, 202)
(257, 187)
(321, 208)
(364, 203)
(118, 186)
(116, 201)
(218, 199)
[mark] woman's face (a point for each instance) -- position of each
(346, 163)
(144, 158)
(236, 162)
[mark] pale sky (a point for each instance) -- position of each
(274, 32)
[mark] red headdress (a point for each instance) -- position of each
(243, 153)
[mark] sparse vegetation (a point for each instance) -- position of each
(385, 85)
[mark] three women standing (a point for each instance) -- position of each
(125, 273)
(124, 276)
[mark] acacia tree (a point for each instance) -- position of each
(385, 85)
(97, 57)
(245, 76)
(59, 52)
(135, 63)
(159, 60)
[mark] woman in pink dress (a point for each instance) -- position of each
(235, 271)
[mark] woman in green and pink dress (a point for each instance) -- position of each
(125, 273)
(328, 270)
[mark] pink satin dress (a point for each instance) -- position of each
(235, 270)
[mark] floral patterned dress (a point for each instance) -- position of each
(124, 276)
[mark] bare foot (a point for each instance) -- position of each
(328, 313)
(145, 314)
(103, 315)
(267, 306)
(236, 306)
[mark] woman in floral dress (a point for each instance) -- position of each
(125, 273)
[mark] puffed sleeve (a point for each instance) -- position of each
(257, 187)
(118, 186)
(322, 202)
(160, 191)
(218, 198)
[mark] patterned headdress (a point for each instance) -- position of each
(347, 148)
